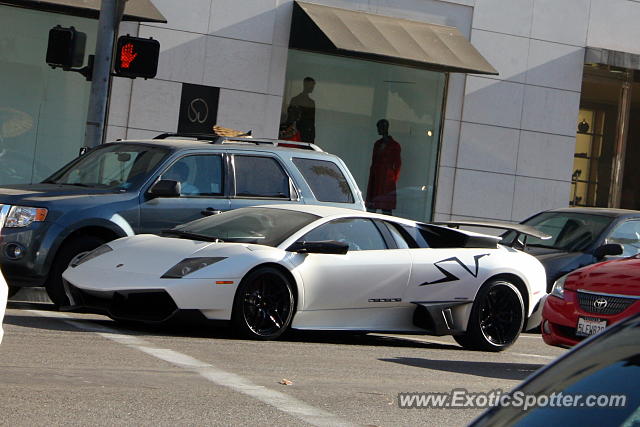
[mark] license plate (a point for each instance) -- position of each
(589, 326)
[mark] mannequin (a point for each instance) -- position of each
(306, 123)
(384, 171)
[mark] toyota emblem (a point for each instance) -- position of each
(600, 303)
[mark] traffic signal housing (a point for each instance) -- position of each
(65, 47)
(136, 57)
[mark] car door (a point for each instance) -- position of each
(369, 275)
(203, 192)
(258, 180)
(442, 273)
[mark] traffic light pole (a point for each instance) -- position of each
(110, 16)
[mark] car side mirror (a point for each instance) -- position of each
(320, 247)
(165, 188)
(608, 249)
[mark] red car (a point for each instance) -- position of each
(588, 300)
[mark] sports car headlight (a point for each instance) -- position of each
(558, 287)
(22, 216)
(82, 258)
(190, 265)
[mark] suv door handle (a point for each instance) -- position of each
(210, 211)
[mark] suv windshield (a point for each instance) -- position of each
(111, 166)
(263, 226)
(569, 231)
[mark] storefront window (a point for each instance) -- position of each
(383, 120)
(42, 111)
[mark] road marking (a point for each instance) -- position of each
(280, 401)
(533, 355)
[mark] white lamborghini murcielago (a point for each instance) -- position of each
(270, 268)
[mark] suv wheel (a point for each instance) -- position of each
(63, 258)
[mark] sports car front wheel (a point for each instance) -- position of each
(264, 304)
(496, 318)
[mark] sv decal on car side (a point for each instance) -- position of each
(450, 277)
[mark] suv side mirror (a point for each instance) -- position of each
(321, 247)
(165, 188)
(608, 249)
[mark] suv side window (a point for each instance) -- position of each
(258, 176)
(325, 179)
(628, 235)
(361, 234)
(199, 175)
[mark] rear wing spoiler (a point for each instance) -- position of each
(519, 229)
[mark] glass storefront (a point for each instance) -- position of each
(604, 142)
(42, 111)
(383, 120)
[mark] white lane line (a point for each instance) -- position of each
(280, 401)
(533, 355)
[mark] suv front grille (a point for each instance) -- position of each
(603, 304)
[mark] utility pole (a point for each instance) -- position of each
(111, 12)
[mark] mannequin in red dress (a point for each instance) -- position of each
(384, 171)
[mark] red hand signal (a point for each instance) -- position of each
(127, 55)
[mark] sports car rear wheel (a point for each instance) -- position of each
(264, 304)
(496, 318)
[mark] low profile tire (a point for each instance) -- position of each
(13, 290)
(65, 254)
(264, 304)
(496, 319)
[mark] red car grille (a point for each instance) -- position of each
(603, 304)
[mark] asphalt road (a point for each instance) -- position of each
(77, 369)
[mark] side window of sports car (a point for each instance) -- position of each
(361, 234)
(402, 241)
(628, 235)
(416, 235)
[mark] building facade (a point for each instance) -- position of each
(556, 125)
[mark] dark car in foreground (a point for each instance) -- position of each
(595, 384)
(580, 237)
(129, 187)
(589, 299)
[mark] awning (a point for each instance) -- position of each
(135, 10)
(382, 38)
(596, 55)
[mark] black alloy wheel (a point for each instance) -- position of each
(264, 304)
(496, 319)
(501, 315)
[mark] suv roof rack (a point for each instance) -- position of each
(213, 138)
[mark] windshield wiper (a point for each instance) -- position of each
(192, 236)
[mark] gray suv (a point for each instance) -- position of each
(145, 186)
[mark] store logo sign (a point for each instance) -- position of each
(198, 111)
(198, 108)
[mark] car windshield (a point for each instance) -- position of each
(263, 226)
(111, 166)
(569, 231)
(608, 367)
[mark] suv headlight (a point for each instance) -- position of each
(190, 265)
(558, 287)
(22, 216)
(86, 256)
